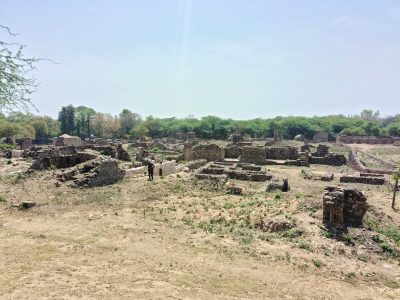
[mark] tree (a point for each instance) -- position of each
(66, 117)
(16, 80)
(83, 115)
(41, 130)
(128, 120)
(369, 115)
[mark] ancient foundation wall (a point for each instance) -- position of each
(210, 152)
(281, 153)
(253, 155)
(347, 139)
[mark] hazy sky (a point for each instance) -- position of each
(232, 58)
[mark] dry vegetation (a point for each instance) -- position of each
(179, 238)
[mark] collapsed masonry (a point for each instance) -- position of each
(275, 155)
(98, 172)
(238, 171)
(343, 207)
(366, 139)
(365, 178)
(58, 157)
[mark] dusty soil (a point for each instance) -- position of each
(178, 238)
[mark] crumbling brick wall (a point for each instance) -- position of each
(236, 138)
(363, 179)
(347, 139)
(187, 152)
(330, 159)
(210, 152)
(282, 153)
(343, 207)
(253, 155)
(232, 152)
(60, 157)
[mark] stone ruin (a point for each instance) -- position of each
(307, 174)
(343, 207)
(67, 140)
(253, 155)
(323, 157)
(210, 152)
(365, 178)
(346, 139)
(236, 138)
(232, 170)
(98, 172)
(59, 157)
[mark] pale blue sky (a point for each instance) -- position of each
(232, 58)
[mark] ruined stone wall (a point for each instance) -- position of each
(232, 152)
(136, 172)
(60, 157)
(210, 152)
(236, 138)
(347, 139)
(168, 168)
(363, 179)
(282, 153)
(196, 164)
(343, 207)
(105, 173)
(109, 150)
(253, 155)
(187, 152)
(330, 159)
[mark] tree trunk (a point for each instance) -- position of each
(396, 184)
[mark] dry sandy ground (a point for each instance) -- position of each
(120, 242)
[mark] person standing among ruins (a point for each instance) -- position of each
(150, 168)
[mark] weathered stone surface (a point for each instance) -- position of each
(210, 152)
(196, 164)
(276, 185)
(233, 152)
(122, 154)
(27, 204)
(364, 139)
(253, 155)
(100, 173)
(236, 138)
(281, 153)
(168, 168)
(67, 140)
(235, 190)
(136, 172)
(250, 167)
(16, 153)
(59, 157)
(276, 224)
(343, 207)
(330, 159)
(363, 179)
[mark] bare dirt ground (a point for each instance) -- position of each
(177, 238)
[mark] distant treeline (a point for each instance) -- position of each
(86, 122)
